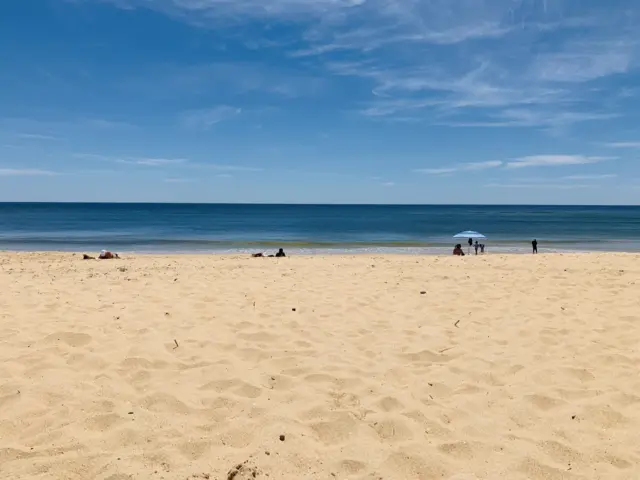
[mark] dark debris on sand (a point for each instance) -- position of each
(243, 471)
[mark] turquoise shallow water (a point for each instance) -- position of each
(312, 228)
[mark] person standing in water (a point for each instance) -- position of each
(534, 244)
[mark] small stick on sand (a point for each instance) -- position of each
(176, 342)
(456, 324)
(445, 349)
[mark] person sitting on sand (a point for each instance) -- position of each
(458, 250)
(106, 255)
(257, 255)
(280, 253)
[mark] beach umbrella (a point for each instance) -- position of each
(469, 234)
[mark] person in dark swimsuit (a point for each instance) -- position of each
(457, 250)
(534, 244)
(280, 253)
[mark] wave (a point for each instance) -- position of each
(195, 242)
(186, 245)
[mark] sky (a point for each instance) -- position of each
(320, 101)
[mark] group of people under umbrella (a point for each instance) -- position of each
(471, 236)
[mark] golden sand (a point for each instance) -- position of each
(361, 367)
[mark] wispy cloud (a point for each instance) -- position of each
(388, 184)
(143, 161)
(595, 176)
(467, 63)
(554, 161)
(550, 120)
(216, 12)
(370, 39)
(358, 23)
(168, 162)
(488, 91)
(463, 167)
(154, 162)
(540, 186)
(524, 162)
(584, 61)
(623, 145)
(25, 172)
(208, 117)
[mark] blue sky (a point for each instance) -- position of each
(320, 101)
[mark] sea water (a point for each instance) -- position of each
(217, 228)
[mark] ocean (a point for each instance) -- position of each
(218, 228)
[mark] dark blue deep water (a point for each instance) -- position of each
(311, 228)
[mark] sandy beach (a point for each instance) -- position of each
(361, 367)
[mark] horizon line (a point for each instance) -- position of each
(279, 204)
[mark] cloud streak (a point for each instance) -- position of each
(154, 162)
(464, 63)
(142, 161)
(539, 186)
(463, 167)
(623, 145)
(182, 163)
(25, 172)
(530, 161)
(584, 61)
(554, 161)
(36, 136)
(595, 176)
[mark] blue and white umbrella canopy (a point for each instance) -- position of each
(469, 234)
